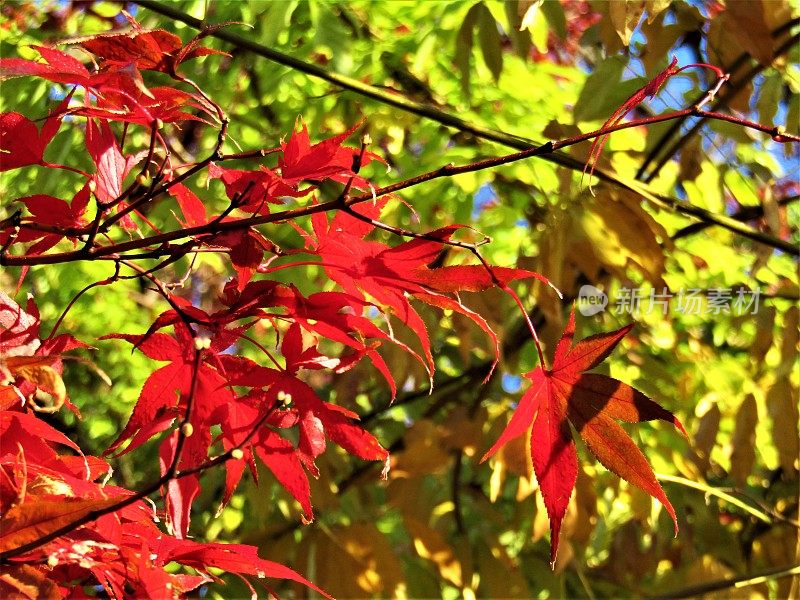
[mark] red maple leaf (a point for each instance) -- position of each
(315, 419)
(591, 402)
(58, 68)
(117, 90)
(21, 142)
(123, 551)
(252, 191)
(163, 399)
(146, 49)
(390, 274)
(112, 165)
(26, 362)
(124, 98)
(50, 211)
(334, 315)
(327, 159)
(193, 209)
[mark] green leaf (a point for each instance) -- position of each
(520, 39)
(490, 42)
(769, 97)
(464, 41)
(554, 13)
(603, 92)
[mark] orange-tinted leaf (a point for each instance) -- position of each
(590, 402)
(26, 581)
(27, 522)
(146, 49)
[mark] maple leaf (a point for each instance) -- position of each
(27, 363)
(316, 420)
(118, 90)
(252, 191)
(112, 165)
(146, 49)
(31, 520)
(51, 211)
(167, 386)
(246, 250)
(124, 551)
(21, 142)
(335, 315)
(390, 274)
(278, 454)
(235, 558)
(124, 98)
(193, 209)
(327, 159)
(591, 402)
(58, 68)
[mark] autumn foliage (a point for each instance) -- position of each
(65, 527)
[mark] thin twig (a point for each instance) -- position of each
(722, 100)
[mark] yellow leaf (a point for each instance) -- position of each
(625, 16)
(782, 408)
(423, 453)
(747, 22)
(655, 8)
(365, 563)
(464, 432)
(431, 546)
(622, 235)
(743, 443)
(38, 371)
(528, 9)
(765, 323)
(501, 577)
(705, 437)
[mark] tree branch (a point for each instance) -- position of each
(450, 120)
(746, 213)
(721, 102)
(736, 582)
(115, 251)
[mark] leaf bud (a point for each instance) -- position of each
(284, 398)
(202, 343)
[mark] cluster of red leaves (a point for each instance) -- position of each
(204, 385)
(46, 483)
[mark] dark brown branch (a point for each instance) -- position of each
(746, 213)
(736, 582)
(115, 250)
